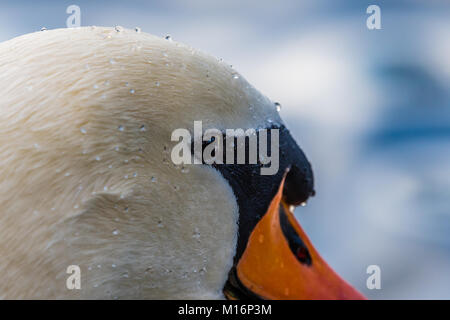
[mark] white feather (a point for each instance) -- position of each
(81, 183)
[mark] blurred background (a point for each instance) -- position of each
(370, 108)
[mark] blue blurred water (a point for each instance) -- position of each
(370, 108)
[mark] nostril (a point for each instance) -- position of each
(298, 186)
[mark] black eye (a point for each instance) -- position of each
(296, 244)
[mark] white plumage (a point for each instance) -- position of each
(86, 178)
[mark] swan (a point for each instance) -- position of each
(86, 177)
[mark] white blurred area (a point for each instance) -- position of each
(371, 110)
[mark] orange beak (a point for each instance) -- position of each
(280, 262)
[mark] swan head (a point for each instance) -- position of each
(87, 121)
